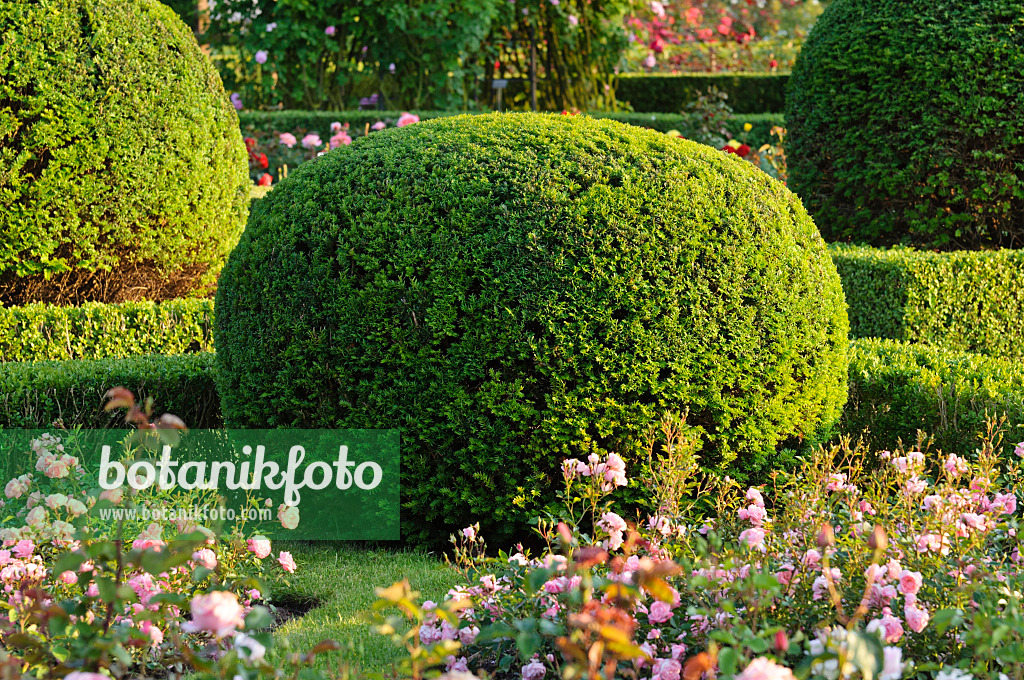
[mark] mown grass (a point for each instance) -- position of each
(342, 577)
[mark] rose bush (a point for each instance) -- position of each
(859, 565)
(83, 594)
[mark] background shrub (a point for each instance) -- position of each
(899, 388)
(904, 122)
(122, 171)
(971, 301)
(35, 394)
(511, 289)
(754, 93)
(95, 330)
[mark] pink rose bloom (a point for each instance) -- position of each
(259, 546)
(1006, 502)
(534, 670)
(36, 516)
(409, 119)
(24, 549)
(1019, 450)
(910, 582)
(917, 619)
(837, 482)
(666, 669)
(69, 578)
(155, 635)
(660, 612)
(755, 497)
(288, 139)
(755, 513)
(330, 30)
(468, 635)
(205, 558)
(658, 8)
(340, 139)
(218, 613)
(866, 508)
(113, 495)
(84, 675)
(312, 141)
(765, 669)
(261, 57)
(753, 538)
(289, 516)
(379, 125)
(573, 20)
(889, 625)
(286, 561)
(916, 485)
(811, 558)
(469, 533)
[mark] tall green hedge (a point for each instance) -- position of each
(898, 388)
(122, 171)
(95, 330)
(510, 289)
(971, 301)
(905, 122)
(748, 92)
(36, 394)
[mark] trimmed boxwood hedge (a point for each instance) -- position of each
(257, 123)
(905, 122)
(748, 92)
(95, 330)
(898, 388)
(971, 301)
(510, 289)
(35, 394)
(122, 171)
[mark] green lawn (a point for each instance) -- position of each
(342, 578)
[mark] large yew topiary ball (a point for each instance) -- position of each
(122, 169)
(514, 289)
(905, 125)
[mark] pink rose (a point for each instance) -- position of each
(660, 612)
(917, 619)
(469, 533)
(312, 141)
(468, 635)
(379, 125)
(205, 558)
(288, 139)
(259, 546)
(910, 582)
(753, 538)
(286, 561)
(765, 669)
(69, 578)
(666, 669)
(217, 612)
(534, 670)
(24, 549)
(409, 119)
(289, 516)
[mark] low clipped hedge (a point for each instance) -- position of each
(510, 289)
(969, 301)
(35, 394)
(261, 123)
(95, 330)
(748, 92)
(898, 388)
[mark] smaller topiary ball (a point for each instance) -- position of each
(122, 169)
(514, 289)
(904, 122)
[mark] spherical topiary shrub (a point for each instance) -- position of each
(122, 169)
(512, 289)
(904, 122)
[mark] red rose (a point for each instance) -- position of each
(728, 149)
(743, 150)
(262, 158)
(266, 180)
(249, 143)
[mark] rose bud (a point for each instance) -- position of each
(826, 536)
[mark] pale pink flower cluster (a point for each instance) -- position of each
(614, 526)
(312, 141)
(764, 668)
(407, 119)
(611, 472)
(288, 139)
(218, 613)
(52, 461)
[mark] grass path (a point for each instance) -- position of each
(342, 578)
